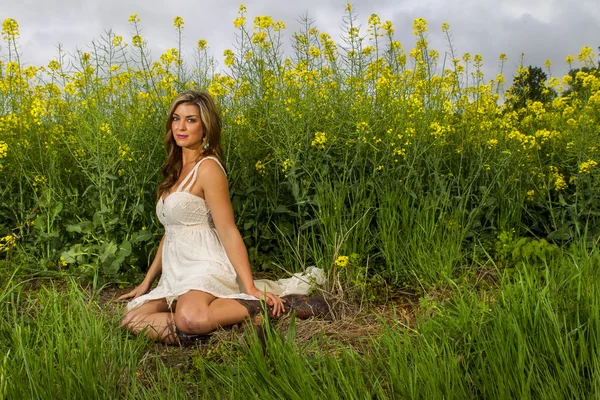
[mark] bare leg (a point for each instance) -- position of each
(153, 319)
(199, 313)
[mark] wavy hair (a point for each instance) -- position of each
(211, 126)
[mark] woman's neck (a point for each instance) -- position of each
(190, 156)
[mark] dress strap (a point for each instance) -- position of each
(187, 183)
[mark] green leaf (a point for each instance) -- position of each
(39, 223)
(281, 209)
(74, 228)
(141, 236)
(98, 219)
(248, 225)
(308, 224)
(124, 249)
(109, 249)
(57, 209)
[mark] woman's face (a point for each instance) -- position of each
(187, 127)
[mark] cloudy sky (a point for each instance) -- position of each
(541, 29)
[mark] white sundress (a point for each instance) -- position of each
(193, 257)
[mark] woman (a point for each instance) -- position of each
(206, 280)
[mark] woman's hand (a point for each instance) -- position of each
(139, 290)
(272, 300)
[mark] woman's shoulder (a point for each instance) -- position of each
(211, 165)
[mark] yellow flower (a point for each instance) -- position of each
(260, 38)
(342, 261)
(137, 41)
(374, 20)
(569, 59)
(492, 142)
(7, 242)
(229, 57)
(202, 44)
(319, 140)
(368, 50)
(170, 56)
(105, 128)
(388, 27)
(437, 129)
(287, 164)
(133, 18)
(240, 21)
(125, 152)
(314, 52)
(585, 54)
(3, 149)
(53, 65)
(240, 119)
(559, 180)
(445, 27)
(419, 26)
(585, 167)
(10, 29)
(39, 180)
(117, 40)
(260, 167)
(362, 126)
(178, 22)
(530, 195)
(263, 22)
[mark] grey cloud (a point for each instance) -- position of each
(539, 28)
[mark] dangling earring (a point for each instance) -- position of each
(206, 145)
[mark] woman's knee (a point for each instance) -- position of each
(196, 321)
(129, 319)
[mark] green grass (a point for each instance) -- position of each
(534, 333)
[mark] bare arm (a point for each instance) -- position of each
(153, 272)
(216, 194)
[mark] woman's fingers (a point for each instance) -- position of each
(125, 296)
(132, 294)
(277, 304)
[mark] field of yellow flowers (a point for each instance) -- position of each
(365, 157)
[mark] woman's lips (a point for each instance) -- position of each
(181, 136)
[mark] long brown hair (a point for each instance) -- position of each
(211, 126)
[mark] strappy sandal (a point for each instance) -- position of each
(186, 339)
